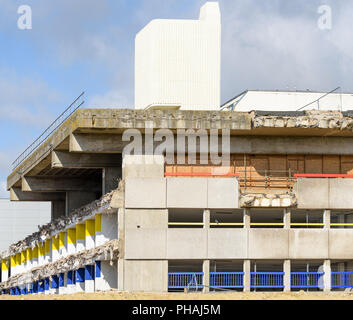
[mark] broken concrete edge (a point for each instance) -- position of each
(107, 204)
(107, 251)
(268, 200)
(309, 119)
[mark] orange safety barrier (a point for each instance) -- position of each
(322, 175)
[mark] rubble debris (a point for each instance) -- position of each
(68, 263)
(310, 119)
(283, 200)
(102, 205)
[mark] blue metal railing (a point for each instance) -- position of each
(79, 101)
(341, 279)
(307, 280)
(266, 280)
(182, 280)
(226, 279)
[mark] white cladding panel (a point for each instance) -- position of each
(177, 62)
(20, 219)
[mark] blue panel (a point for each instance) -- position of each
(41, 286)
(342, 279)
(179, 280)
(306, 279)
(89, 272)
(266, 280)
(62, 280)
(80, 275)
(70, 277)
(55, 282)
(98, 269)
(46, 284)
(12, 291)
(226, 279)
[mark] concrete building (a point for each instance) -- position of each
(142, 200)
(178, 62)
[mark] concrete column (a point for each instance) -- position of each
(77, 199)
(71, 282)
(29, 259)
(62, 283)
(57, 209)
(35, 257)
(110, 178)
(23, 261)
(327, 219)
(47, 286)
(89, 234)
(246, 270)
(54, 288)
(121, 275)
(327, 275)
(286, 218)
(80, 280)
(18, 263)
(89, 278)
(41, 253)
(62, 244)
(246, 218)
(48, 252)
(55, 248)
(206, 275)
(287, 271)
(12, 265)
(80, 237)
(71, 241)
(4, 270)
(206, 219)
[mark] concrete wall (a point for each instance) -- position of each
(145, 275)
(324, 193)
(211, 193)
(238, 244)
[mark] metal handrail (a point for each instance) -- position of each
(78, 102)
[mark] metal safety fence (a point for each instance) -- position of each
(307, 280)
(183, 280)
(341, 279)
(266, 280)
(226, 279)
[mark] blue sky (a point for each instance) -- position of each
(88, 45)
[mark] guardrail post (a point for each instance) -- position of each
(246, 218)
(327, 275)
(286, 218)
(286, 270)
(327, 219)
(206, 276)
(206, 219)
(246, 279)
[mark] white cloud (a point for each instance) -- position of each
(111, 99)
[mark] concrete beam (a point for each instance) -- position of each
(64, 159)
(16, 194)
(112, 143)
(55, 184)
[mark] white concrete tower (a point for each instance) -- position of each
(178, 62)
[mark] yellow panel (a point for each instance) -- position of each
(71, 236)
(5, 265)
(80, 232)
(62, 240)
(47, 246)
(23, 256)
(13, 261)
(18, 259)
(90, 228)
(35, 252)
(55, 243)
(41, 249)
(29, 254)
(98, 223)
